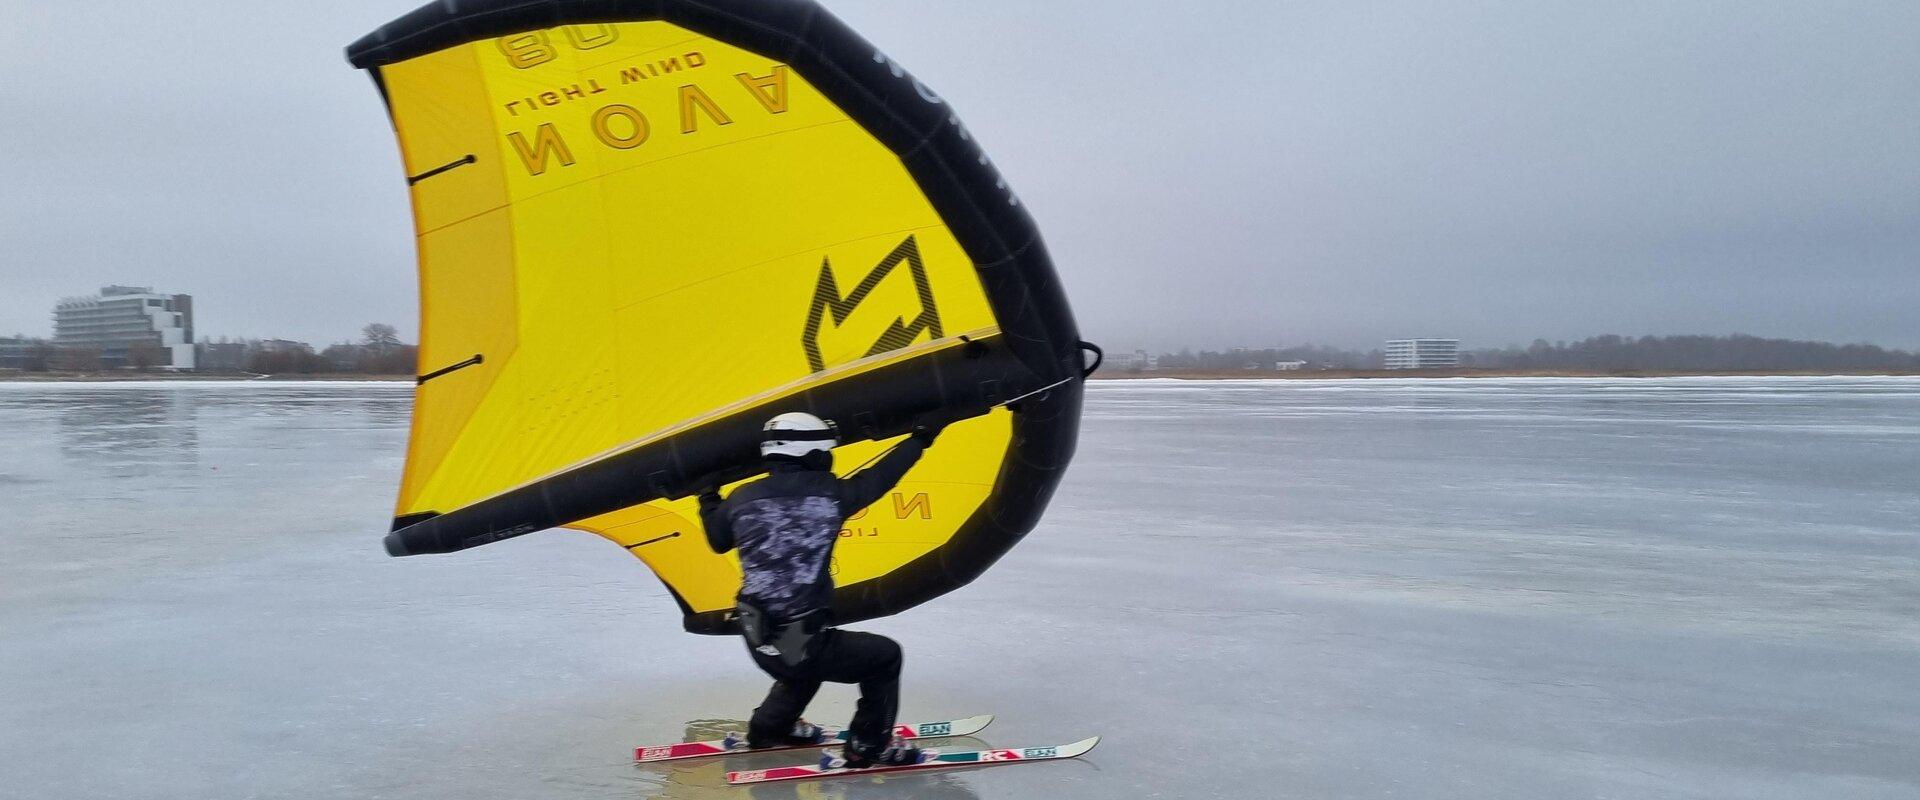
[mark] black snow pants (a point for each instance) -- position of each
(836, 656)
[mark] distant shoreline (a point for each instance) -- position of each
(1348, 374)
(128, 377)
(1189, 375)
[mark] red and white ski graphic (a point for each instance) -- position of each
(738, 743)
(833, 768)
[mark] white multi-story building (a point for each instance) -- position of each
(1423, 353)
(1136, 361)
(129, 326)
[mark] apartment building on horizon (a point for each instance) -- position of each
(129, 326)
(1423, 353)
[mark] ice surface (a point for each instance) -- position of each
(1357, 589)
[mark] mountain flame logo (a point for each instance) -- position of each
(908, 324)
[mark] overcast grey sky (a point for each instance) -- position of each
(1241, 173)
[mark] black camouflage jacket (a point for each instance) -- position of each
(786, 524)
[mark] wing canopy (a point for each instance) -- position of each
(645, 227)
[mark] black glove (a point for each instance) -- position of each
(927, 427)
(709, 498)
(708, 485)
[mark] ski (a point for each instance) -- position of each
(737, 743)
(830, 767)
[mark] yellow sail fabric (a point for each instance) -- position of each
(637, 243)
(646, 227)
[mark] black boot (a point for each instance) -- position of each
(803, 733)
(897, 753)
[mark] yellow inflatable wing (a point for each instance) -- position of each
(646, 226)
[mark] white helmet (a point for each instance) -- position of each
(796, 434)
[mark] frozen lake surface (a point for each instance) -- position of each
(1529, 588)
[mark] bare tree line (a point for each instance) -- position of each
(378, 352)
(1609, 353)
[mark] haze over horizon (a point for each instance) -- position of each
(1256, 175)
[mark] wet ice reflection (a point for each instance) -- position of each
(1368, 589)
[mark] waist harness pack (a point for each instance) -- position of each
(786, 640)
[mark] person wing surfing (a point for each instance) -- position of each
(785, 526)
